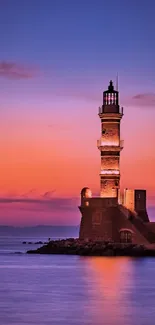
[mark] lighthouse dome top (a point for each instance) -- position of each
(111, 88)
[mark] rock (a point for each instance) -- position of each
(71, 246)
(35, 243)
(39, 243)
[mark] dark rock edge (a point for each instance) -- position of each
(73, 246)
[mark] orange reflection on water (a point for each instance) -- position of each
(110, 280)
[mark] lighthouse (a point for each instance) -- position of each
(106, 218)
(109, 143)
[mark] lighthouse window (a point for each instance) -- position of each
(125, 236)
(115, 99)
(108, 99)
(109, 120)
(110, 153)
(112, 98)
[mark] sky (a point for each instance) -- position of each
(56, 59)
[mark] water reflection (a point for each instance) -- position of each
(73, 290)
(111, 282)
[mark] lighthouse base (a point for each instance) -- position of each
(105, 219)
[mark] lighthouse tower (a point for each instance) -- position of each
(106, 218)
(109, 143)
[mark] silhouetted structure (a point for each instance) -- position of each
(111, 216)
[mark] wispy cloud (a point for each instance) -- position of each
(13, 70)
(27, 194)
(43, 201)
(48, 194)
(144, 99)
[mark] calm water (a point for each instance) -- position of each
(68, 290)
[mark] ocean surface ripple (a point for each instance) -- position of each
(45, 289)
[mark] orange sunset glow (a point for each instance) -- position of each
(60, 158)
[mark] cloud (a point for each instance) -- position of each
(27, 194)
(44, 201)
(12, 70)
(145, 99)
(48, 195)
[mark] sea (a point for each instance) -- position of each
(71, 290)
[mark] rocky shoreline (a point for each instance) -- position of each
(73, 246)
(34, 243)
